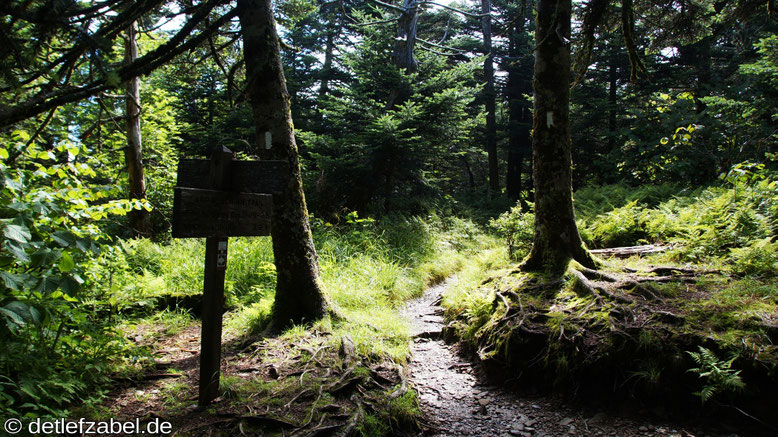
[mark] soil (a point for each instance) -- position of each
(457, 400)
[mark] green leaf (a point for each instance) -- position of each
(70, 287)
(17, 251)
(47, 284)
(3, 153)
(12, 184)
(11, 316)
(17, 233)
(66, 264)
(44, 257)
(21, 309)
(63, 238)
(12, 280)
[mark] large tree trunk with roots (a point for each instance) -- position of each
(299, 295)
(556, 238)
(133, 154)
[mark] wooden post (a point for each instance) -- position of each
(213, 290)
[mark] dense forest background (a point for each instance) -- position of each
(413, 124)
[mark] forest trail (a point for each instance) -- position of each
(457, 401)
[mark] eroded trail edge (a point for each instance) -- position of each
(456, 401)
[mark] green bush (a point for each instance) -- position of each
(53, 347)
(517, 228)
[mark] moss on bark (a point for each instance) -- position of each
(556, 239)
(299, 292)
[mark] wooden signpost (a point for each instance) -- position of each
(216, 199)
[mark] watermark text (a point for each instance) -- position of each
(82, 426)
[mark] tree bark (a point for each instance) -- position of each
(489, 103)
(519, 112)
(406, 36)
(556, 238)
(133, 152)
(299, 291)
(613, 77)
(333, 29)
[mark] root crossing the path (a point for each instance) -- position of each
(456, 401)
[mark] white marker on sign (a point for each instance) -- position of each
(221, 256)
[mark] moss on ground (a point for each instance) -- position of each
(635, 341)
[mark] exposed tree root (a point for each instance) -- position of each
(602, 332)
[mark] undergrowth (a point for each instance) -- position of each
(368, 268)
(643, 341)
(734, 226)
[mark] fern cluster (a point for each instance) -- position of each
(718, 374)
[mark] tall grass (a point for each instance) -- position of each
(734, 225)
(368, 268)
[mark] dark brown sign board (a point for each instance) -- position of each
(268, 177)
(219, 198)
(209, 213)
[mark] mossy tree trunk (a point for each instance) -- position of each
(556, 238)
(133, 154)
(299, 292)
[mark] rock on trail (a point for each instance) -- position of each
(456, 402)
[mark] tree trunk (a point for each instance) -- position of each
(556, 238)
(519, 112)
(299, 292)
(333, 29)
(470, 176)
(133, 154)
(491, 134)
(613, 77)
(406, 36)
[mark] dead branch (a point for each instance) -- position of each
(458, 11)
(625, 252)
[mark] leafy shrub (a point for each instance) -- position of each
(517, 228)
(48, 217)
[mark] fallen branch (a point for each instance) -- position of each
(625, 252)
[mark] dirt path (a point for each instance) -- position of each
(456, 402)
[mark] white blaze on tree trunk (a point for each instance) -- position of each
(299, 295)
